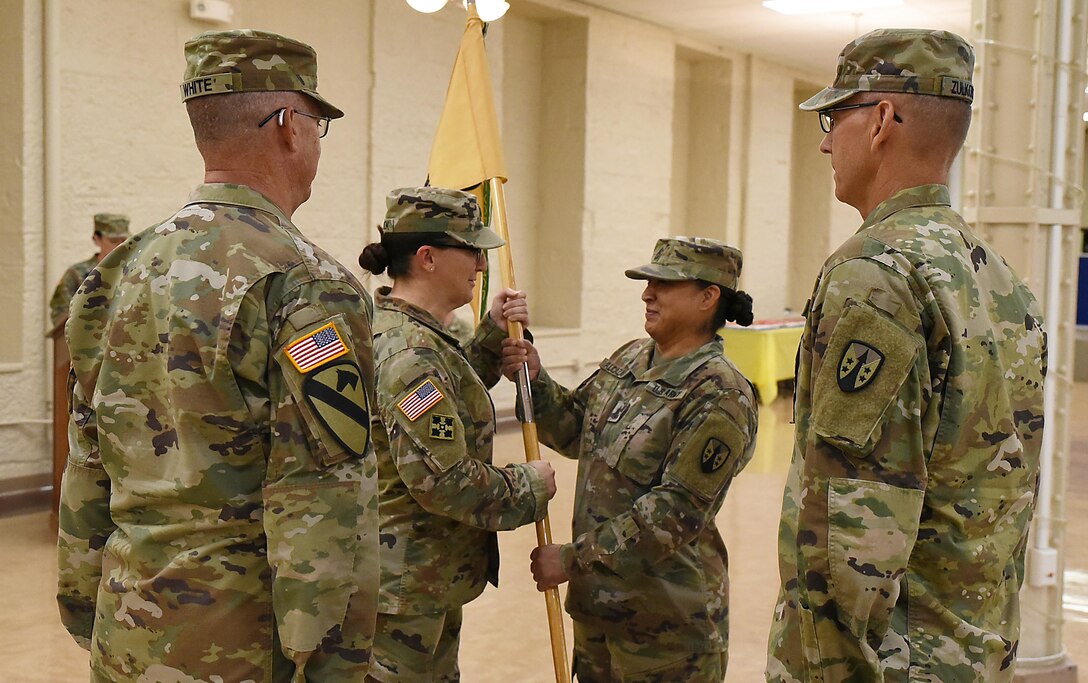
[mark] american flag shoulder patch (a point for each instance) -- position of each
(317, 348)
(420, 400)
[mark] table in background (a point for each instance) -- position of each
(765, 352)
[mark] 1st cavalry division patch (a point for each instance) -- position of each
(338, 398)
(858, 366)
(715, 453)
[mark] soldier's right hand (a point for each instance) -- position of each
(548, 472)
(515, 353)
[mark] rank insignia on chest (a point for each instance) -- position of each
(420, 400)
(617, 411)
(715, 453)
(442, 427)
(317, 348)
(858, 366)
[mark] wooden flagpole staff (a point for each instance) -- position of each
(466, 153)
(528, 432)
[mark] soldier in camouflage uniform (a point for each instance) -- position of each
(659, 432)
(218, 513)
(919, 400)
(110, 230)
(441, 498)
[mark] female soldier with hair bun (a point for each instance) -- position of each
(441, 499)
(659, 432)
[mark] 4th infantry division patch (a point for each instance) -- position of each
(442, 427)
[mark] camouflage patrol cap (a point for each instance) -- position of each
(112, 225)
(691, 258)
(438, 210)
(245, 60)
(904, 60)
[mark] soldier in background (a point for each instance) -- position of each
(219, 514)
(441, 498)
(919, 399)
(659, 432)
(110, 230)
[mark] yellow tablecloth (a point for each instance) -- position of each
(764, 355)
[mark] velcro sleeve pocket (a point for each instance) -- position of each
(323, 375)
(710, 456)
(868, 358)
(429, 419)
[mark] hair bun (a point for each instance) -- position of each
(739, 309)
(374, 258)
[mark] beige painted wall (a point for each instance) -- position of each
(587, 100)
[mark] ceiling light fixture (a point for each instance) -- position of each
(825, 6)
(491, 10)
(427, 6)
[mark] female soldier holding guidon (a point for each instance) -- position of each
(659, 432)
(441, 499)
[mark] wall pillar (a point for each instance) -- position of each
(1022, 172)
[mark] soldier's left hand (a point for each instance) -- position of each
(510, 304)
(547, 567)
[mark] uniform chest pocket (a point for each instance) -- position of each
(640, 447)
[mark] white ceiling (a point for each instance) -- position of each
(808, 42)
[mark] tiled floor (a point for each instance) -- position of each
(505, 636)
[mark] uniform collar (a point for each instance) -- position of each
(912, 197)
(236, 195)
(384, 301)
(672, 371)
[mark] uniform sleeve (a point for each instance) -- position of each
(559, 413)
(427, 441)
(864, 469)
(484, 351)
(305, 349)
(84, 520)
(62, 296)
(713, 440)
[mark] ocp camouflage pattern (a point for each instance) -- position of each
(906, 510)
(247, 60)
(211, 527)
(897, 60)
(692, 258)
(441, 498)
(66, 288)
(657, 444)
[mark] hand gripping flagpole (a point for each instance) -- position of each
(467, 153)
(528, 432)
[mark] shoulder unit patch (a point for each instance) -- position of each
(442, 427)
(715, 453)
(858, 366)
(337, 395)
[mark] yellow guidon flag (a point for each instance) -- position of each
(467, 150)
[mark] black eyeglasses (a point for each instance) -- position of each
(827, 122)
(323, 122)
(477, 253)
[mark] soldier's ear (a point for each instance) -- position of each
(710, 296)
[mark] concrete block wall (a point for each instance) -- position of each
(590, 151)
